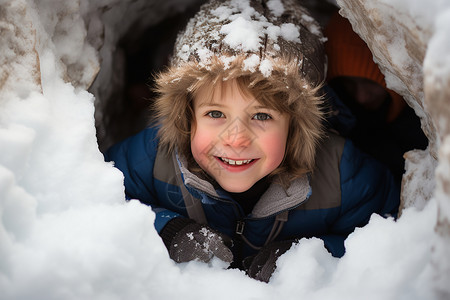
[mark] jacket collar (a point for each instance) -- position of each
(275, 200)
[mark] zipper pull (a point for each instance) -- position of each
(240, 224)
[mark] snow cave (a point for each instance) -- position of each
(74, 79)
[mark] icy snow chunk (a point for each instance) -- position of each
(276, 7)
(204, 55)
(251, 63)
(234, 8)
(290, 32)
(184, 54)
(266, 67)
(273, 32)
(227, 60)
(244, 7)
(242, 34)
(222, 12)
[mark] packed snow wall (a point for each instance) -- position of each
(409, 42)
(53, 53)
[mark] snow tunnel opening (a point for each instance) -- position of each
(139, 54)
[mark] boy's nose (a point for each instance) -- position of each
(237, 135)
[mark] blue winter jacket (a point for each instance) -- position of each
(345, 189)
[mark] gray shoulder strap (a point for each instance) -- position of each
(325, 181)
(193, 205)
(166, 169)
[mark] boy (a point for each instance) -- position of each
(238, 166)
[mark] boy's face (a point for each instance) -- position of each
(235, 139)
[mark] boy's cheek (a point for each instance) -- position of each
(275, 148)
(201, 147)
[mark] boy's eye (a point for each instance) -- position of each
(215, 114)
(262, 117)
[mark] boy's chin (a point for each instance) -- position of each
(235, 187)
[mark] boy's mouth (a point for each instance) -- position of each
(233, 162)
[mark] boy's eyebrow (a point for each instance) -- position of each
(216, 104)
(211, 104)
(219, 105)
(261, 106)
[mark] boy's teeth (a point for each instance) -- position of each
(236, 162)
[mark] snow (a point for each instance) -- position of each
(242, 34)
(242, 28)
(419, 188)
(290, 32)
(370, 269)
(266, 67)
(66, 231)
(276, 7)
(438, 60)
(251, 63)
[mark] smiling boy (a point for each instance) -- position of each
(238, 166)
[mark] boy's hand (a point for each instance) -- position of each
(262, 265)
(187, 240)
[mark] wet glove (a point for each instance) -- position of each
(187, 240)
(263, 264)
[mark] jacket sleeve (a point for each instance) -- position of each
(135, 157)
(367, 187)
(334, 243)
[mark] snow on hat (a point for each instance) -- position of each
(349, 55)
(261, 32)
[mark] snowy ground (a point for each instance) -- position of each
(67, 233)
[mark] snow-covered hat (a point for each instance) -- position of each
(264, 31)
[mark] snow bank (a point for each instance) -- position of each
(66, 231)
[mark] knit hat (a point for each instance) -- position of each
(348, 55)
(261, 32)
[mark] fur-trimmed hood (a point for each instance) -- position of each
(262, 30)
(275, 51)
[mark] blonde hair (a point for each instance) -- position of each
(285, 90)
